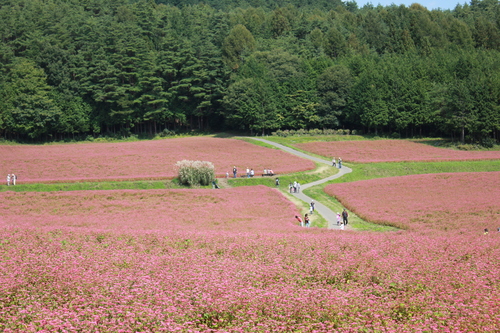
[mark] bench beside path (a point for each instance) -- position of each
(329, 215)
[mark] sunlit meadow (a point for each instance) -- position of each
(368, 151)
(139, 160)
(231, 260)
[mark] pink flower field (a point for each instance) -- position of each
(391, 151)
(152, 210)
(140, 160)
(233, 260)
(458, 202)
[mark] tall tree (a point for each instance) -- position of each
(334, 86)
(239, 42)
(28, 106)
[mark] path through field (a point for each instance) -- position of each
(327, 213)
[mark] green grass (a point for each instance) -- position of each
(394, 169)
(88, 186)
(321, 171)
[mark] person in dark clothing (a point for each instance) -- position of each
(345, 216)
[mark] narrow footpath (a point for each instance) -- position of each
(327, 213)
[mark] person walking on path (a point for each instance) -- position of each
(235, 171)
(312, 206)
(298, 187)
(300, 220)
(338, 218)
(334, 163)
(307, 221)
(345, 216)
(340, 163)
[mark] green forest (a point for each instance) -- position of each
(88, 68)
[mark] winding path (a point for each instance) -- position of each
(327, 213)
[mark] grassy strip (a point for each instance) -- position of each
(321, 171)
(395, 169)
(86, 186)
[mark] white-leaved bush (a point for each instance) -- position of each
(195, 172)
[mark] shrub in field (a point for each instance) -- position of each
(195, 172)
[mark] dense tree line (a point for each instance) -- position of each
(94, 67)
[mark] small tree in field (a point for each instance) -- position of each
(195, 172)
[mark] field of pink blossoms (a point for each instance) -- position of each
(454, 202)
(139, 160)
(231, 260)
(372, 151)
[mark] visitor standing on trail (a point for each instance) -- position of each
(277, 182)
(298, 187)
(8, 179)
(235, 171)
(338, 218)
(345, 216)
(307, 221)
(14, 178)
(312, 206)
(340, 163)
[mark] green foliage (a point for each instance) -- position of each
(239, 42)
(194, 173)
(84, 186)
(71, 69)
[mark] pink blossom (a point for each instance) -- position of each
(140, 160)
(367, 151)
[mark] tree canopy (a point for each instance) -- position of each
(77, 68)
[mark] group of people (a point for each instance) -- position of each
(11, 179)
(335, 162)
(250, 172)
(294, 187)
(342, 218)
(306, 222)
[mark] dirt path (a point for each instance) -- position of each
(321, 209)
